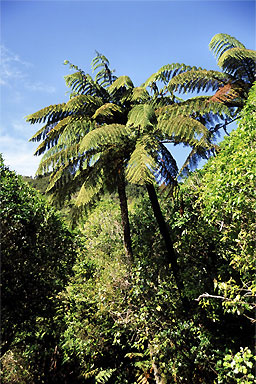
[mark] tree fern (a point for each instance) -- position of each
(110, 129)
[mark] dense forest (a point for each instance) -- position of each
(118, 267)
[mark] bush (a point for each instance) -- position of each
(38, 252)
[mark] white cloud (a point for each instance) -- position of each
(12, 67)
(40, 87)
(18, 155)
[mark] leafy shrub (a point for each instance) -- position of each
(38, 252)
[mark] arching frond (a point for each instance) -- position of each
(167, 168)
(56, 131)
(167, 71)
(198, 80)
(142, 165)
(104, 76)
(221, 42)
(58, 156)
(107, 111)
(195, 106)
(42, 132)
(196, 154)
(122, 81)
(105, 135)
(240, 63)
(51, 114)
(183, 129)
(83, 84)
(83, 103)
(90, 188)
(228, 93)
(139, 94)
(142, 115)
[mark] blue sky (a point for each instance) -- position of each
(138, 37)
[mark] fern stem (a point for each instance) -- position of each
(124, 215)
(171, 255)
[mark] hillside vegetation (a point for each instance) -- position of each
(147, 283)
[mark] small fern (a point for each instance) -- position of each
(104, 375)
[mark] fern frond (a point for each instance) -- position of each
(84, 84)
(142, 115)
(167, 169)
(197, 80)
(139, 94)
(52, 113)
(77, 81)
(104, 375)
(42, 133)
(183, 129)
(82, 103)
(167, 71)
(199, 105)
(55, 177)
(226, 94)
(105, 135)
(222, 42)
(55, 132)
(197, 153)
(142, 165)
(58, 156)
(121, 81)
(105, 76)
(107, 111)
(240, 63)
(88, 191)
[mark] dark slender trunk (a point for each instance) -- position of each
(124, 216)
(171, 255)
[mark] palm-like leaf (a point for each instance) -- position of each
(142, 165)
(166, 72)
(107, 135)
(120, 82)
(221, 42)
(197, 81)
(142, 115)
(240, 63)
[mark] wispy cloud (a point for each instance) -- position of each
(18, 155)
(40, 87)
(12, 67)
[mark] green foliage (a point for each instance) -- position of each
(231, 86)
(237, 368)
(37, 255)
(110, 321)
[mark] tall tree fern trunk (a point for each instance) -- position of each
(171, 255)
(124, 215)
